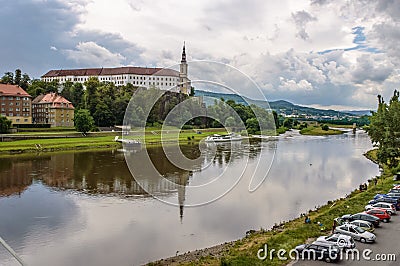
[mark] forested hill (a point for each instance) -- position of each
(280, 106)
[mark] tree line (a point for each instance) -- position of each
(384, 130)
(103, 104)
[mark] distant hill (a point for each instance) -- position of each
(280, 106)
(359, 112)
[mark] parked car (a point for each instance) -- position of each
(319, 251)
(367, 226)
(379, 213)
(362, 216)
(379, 196)
(382, 205)
(342, 241)
(394, 190)
(394, 195)
(395, 202)
(396, 186)
(340, 221)
(357, 233)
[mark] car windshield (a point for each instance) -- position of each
(359, 230)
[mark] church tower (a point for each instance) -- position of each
(184, 82)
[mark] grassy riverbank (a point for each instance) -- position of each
(318, 131)
(44, 145)
(286, 235)
(98, 141)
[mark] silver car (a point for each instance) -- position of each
(367, 226)
(343, 241)
(357, 233)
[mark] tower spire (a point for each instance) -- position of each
(183, 54)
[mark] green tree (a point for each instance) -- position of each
(66, 91)
(8, 78)
(103, 116)
(252, 126)
(5, 124)
(90, 94)
(18, 77)
(276, 119)
(77, 95)
(83, 121)
(25, 81)
(325, 127)
(384, 130)
(36, 88)
(288, 122)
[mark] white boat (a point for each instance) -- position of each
(128, 142)
(224, 138)
(264, 137)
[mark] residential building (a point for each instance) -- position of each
(15, 104)
(53, 109)
(162, 78)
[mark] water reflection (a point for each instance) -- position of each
(106, 173)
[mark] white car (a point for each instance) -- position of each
(343, 241)
(357, 233)
(382, 205)
(367, 226)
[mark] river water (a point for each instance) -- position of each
(84, 208)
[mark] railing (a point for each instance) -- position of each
(12, 252)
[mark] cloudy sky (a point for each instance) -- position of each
(329, 53)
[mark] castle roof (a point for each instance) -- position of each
(112, 71)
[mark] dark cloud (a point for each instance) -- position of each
(38, 34)
(320, 2)
(389, 7)
(30, 29)
(387, 37)
(301, 19)
(371, 68)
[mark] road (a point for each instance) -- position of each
(387, 242)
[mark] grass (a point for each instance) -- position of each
(318, 131)
(339, 126)
(99, 141)
(281, 130)
(290, 234)
(32, 145)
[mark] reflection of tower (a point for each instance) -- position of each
(184, 82)
(182, 181)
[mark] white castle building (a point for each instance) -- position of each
(161, 78)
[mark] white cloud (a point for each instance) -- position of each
(91, 54)
(292, 85)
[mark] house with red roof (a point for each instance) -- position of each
(15, 104)
(53, 109)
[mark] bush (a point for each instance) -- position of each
(325, 127)
(83, 121)
(303, 125)
(187, 127)
(5, 124)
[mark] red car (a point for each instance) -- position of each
(383, 215)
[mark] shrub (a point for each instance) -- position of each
(325, 127)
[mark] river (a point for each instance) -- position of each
(84, 208)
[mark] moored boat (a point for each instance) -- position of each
(224, 138)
